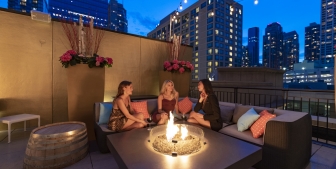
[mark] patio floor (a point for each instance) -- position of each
(12, 154)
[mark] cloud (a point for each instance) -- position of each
(145, 21)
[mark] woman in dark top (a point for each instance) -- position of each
(208, 102)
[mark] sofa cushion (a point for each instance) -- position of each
(232, 130)
(152, 106)
(105, 129)
(227, 104)
(226, 113)
(247, 119)
(104, 113)
(140, 107)
(241, 109)
(185, 105)
(258, 127)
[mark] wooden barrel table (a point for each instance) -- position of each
(56, 145)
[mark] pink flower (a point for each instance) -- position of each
(66, 57)
(97, 63)
(192, 67)
(176, 66)
(175, 61)
(170, 68)
(181, 70)
(109, 60)
(71, 52)
(188, 65)
(99, 59)
(183, 62)
(166, 64)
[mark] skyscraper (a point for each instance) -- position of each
(71, 10)
(328, 41)
(245, 57)
(272, 46)
(290, 49)
(213, 28)
(253, 46)
(117, 17)
(312, 42)
(26, 5)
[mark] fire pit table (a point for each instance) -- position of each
(134, 149)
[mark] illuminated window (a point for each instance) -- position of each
(216, 51)
(230, 47)
(230, 53)
(196, 65)
(209, 63)
(196, 54)
(230, 59)
(209, 70)
(216, 63)
(216, 31)
(209, 51)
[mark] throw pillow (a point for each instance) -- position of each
(226, 113)
(104, 113)
(141, 107)
(258, 128)
(240, 110)
(185, 105)
(247, 119)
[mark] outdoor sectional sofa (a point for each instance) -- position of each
(286, 143)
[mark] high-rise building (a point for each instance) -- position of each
(328, 38)
(253, 46)
(312, 42)
(290, 50)
(117, 17)
(26, 5)
(213, 28)
(272, 46)
(70, 10)
(245, 57)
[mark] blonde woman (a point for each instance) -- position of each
(167, 101)
(122, 117)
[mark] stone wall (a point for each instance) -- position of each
(33, 80)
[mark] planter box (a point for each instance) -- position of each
(85, 87)
(181, 81)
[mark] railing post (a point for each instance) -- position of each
(235, 95)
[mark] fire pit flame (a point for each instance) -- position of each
(172, 129)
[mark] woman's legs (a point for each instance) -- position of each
(130, 124)
(162, 117)
(194, 118)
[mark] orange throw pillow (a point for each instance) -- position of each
(185, 105)
(140, 107)
(258, 127)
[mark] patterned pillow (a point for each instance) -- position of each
(258, 128)
(185, 105)
(140, 107)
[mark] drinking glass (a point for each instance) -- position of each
(149, 124)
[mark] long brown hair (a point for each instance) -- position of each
(121, 89)
(207, 86)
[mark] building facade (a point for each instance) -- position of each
(117, 17)
(310, 71)
(245, 57)
(213, 28)
(312, 42)
(291, 49)
(253, 46)
(273, 46)
(26, 5)
(328, 41)
(70, 10)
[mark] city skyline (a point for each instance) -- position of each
(292, 15)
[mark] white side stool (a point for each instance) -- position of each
(18, 118)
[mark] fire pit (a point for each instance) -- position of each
(176, 139)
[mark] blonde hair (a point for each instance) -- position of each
(164, 88)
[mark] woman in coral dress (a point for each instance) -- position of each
(122, 117)
(167, 102)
